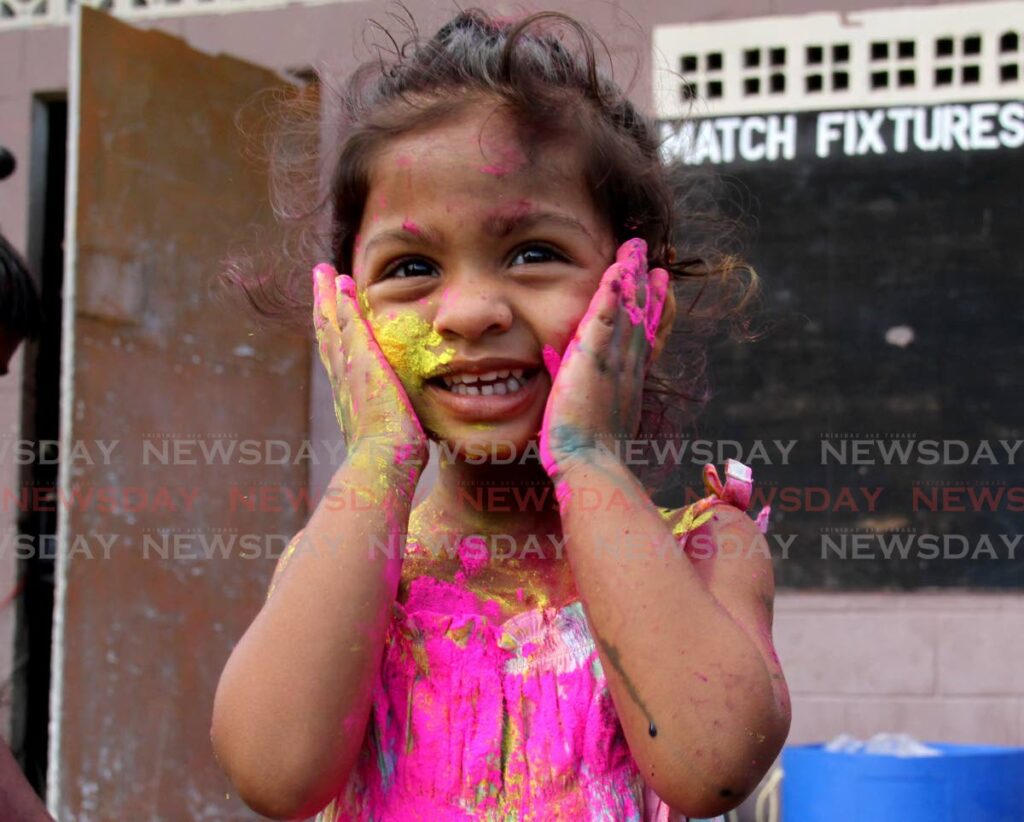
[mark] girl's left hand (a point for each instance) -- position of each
(597, 390)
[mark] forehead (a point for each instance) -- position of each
(475, 155)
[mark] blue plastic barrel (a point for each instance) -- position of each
(967, 783)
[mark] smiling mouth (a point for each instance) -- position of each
(500, 382)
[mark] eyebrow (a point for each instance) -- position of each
(406, 236)
(502, 225)
(498, 225)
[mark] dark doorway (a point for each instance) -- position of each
(40, 416)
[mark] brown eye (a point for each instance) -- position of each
(412, 267)
(534, 254)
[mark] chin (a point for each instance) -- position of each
(501, 445)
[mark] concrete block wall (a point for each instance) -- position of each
(945, 666)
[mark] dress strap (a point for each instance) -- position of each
(736, 490)
(738, 486)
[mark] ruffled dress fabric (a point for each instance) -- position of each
(473, 719)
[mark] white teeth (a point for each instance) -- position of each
(458, 379)
(499, 383)
(469, 379)
(510, 386)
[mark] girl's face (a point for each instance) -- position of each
(472, 260)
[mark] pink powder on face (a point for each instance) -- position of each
(510, 160)
(552, 360)
(510, 213)
(521, 207)
(411, 227)
(403, 160)
(473, 554)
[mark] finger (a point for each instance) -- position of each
(324, 276)
(632, 256)
(357, 336)
(634, 356)
(346, 304)
(325, 318)
(598, 330)
(632, 252)
(658, 292)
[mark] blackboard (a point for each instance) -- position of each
(858, 252)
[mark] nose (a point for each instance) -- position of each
(473, 308)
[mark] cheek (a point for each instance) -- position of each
(411, 345)
(560, 320)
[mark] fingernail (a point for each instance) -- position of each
(633, 250)
(322, 270)
(345, 284)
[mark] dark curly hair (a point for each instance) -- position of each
(552, 87)
(20, 311)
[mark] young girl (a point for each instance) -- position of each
(536, 639)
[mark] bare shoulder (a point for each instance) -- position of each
(731, 556)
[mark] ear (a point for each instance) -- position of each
(668, 317)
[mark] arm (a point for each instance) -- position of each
(293, 701)
(685, 641)
(685, 646)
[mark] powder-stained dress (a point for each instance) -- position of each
(478, 719)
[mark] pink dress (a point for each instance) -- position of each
(476, 719)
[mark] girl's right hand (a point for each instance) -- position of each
(371, 405)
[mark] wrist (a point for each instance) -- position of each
(572, 466)
(388, 465)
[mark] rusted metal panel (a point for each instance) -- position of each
(155, 364)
